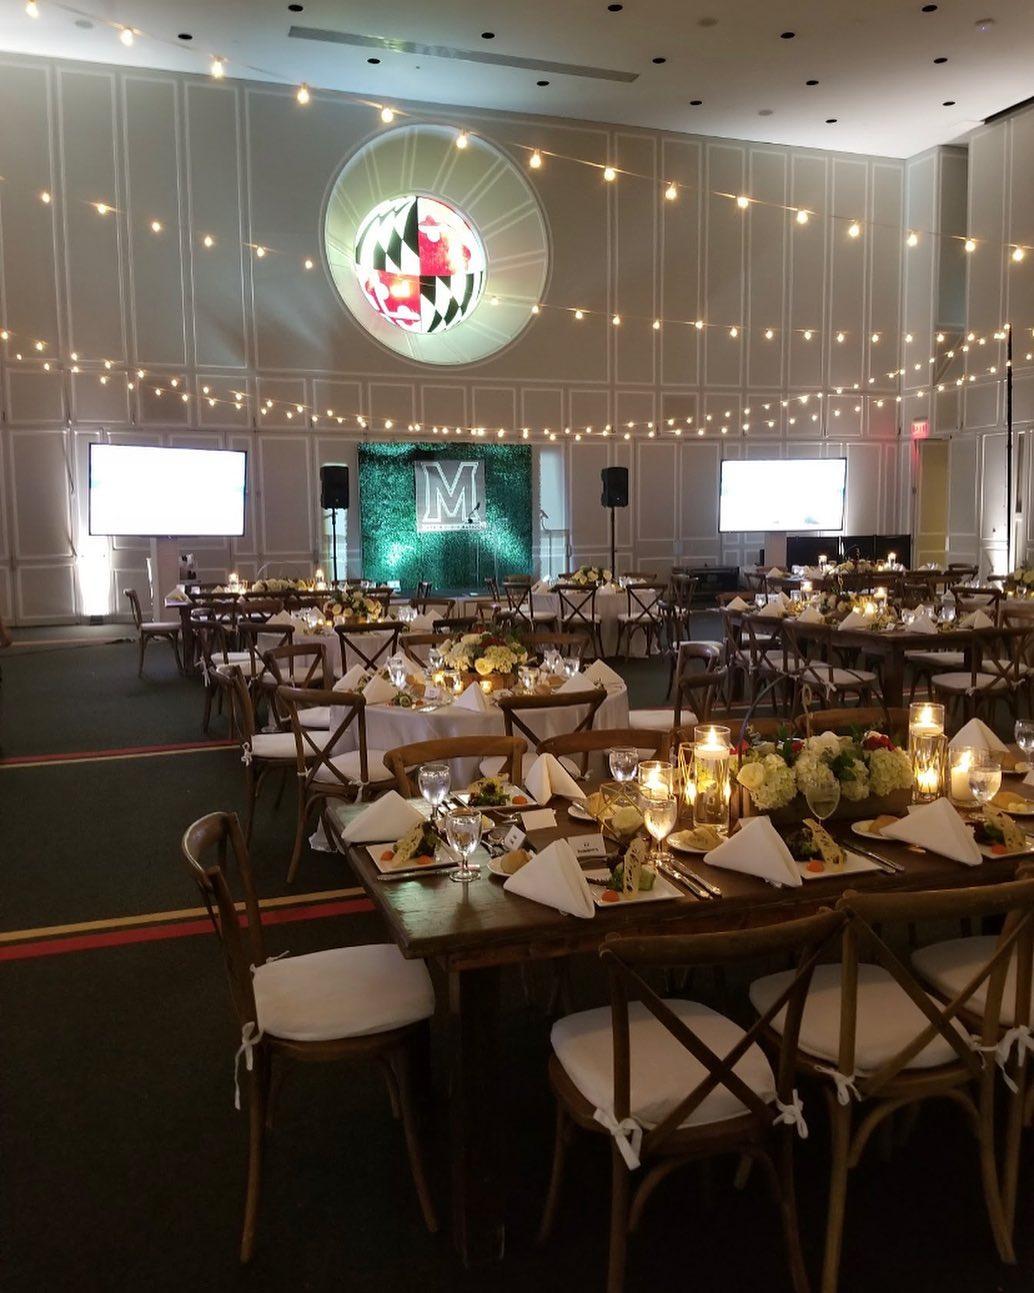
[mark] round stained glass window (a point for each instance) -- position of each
(419, 263)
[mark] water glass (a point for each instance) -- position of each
(623, 763)
(1024, 733)
(397, 671)
(435, 781)
(660, 813)
(463, 831)
(823, 798)
(435, 659)
(571, 666)
(528, 677)
(985, 776)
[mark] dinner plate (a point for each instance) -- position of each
(662, 890)
(1026, 811)
(1019, 770)
(579, 813)
(516, 798)
(677, 841)
(861, 829)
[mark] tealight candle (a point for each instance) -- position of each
(486, 685)
(926, 749)
(806, 587)
(892, 558)
(710, 776)
(656, 776)
(961, 762)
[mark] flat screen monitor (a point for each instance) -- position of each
(763, 494)
(143, 490)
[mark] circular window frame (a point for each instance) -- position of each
(488, 190)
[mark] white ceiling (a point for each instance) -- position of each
(873, 59)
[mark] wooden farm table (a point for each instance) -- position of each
(475, 932)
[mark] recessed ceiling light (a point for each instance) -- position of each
(185, 35)
(615, 8)
(296, 8)
(488, 35)
(831, 121)
(764, 112)
(84, 23)
(541, 82)
(811, 82)
(707, 22)
(787, 35)
(373, 60)
(942, 59)
(948, 103)
(984, 24)
(658, 59)
(695, 103)
(929, 8)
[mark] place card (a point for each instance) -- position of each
(539, 819)
(1028, 780)
(513, 839)
(588, 846)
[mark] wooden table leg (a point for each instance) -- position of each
(894, 679)
(187, 638)
(476, 1116)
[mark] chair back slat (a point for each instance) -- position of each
(513, 707)
(404, 758)
(315, 750)
(363, 641)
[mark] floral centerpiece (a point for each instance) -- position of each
(1023, 576)
(351, 604)
(856, 566)
(280, 586)
(868, 765)
(491, 656)
(586, 575)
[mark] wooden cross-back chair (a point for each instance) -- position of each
(874, 1037)
(677, 607)
(437, 607)
(997, 672)
(766, 660)
(415, 646)
(152, 631)
(520, 612)
(257, 637)
(892, 721)
(374, 644)
(644, 614)
(702, 1085)
(458, 624)
(568, 644)
(578, 746)
(516, 709)
(423, 589)
(402, 760)
(270, 1001)
(696, 689)
(326, 770)
(811, 668)
(302, 664)
(968, 600)
(578, 613)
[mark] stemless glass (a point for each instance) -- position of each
(435, 659)
(571, 666)
(463, 831)
(1024, 733)
(397, 671)
(435, 781)
(623, 763)
(823, 799)
(985, 776)
(660, 813)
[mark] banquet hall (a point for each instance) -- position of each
(517, 645)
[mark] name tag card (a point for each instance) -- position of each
(539, 819)
(588, 846)
(513, 839)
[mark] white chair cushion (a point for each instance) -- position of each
(280, 745)
(939, 659)
(659, 720)
(846, 677)
(493, 765)
(949, 966)
(161, 626)
(962, 682)
(887, 1018)
(316, 717)
(342, 992)
(775, 660)
(348, 765)
(663, 1072)
(642, 617)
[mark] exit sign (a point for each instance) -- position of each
(920, 428)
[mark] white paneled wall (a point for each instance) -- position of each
(242, 164)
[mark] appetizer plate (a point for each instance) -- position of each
(853, 863)
(679, 841)
(1025, 809)
(579, 813)
(662, 890)
(990, 850)
(515, 798)
(382, 853)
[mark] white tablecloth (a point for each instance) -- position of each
(370, 642)
(388, 726)
(610, 603)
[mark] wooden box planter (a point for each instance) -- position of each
(794, 812)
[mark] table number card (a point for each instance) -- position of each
(513, 839)
(539, 819)
(588, 846)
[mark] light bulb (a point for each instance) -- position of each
(875, 338)
(535, 310)
(912, 240)
(387, 116)
(218, 68)
(126, 36)
(102, 208)
(44, 197)
(578, 314)
(302, 94)
(840, 337)
(802, 216)
(769, 334)
(260, 252)
(616, 320)
(969, 245)
(308, 262)
(854, 229)
(609, 174)
(156, 226)
(208, 240)
(940, 337)
(535, 160)
(743, 202)
(462, 139)
(32, 9)
(807, 334)
(908, 338)
(734, 332)
(39, 345)
(1018, 253)
(656, 325)
(699, 325)
(671, 192)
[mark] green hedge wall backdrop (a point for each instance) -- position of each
(392, 548)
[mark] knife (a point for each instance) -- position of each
(387, 876)
(689, 882)
(885, 864)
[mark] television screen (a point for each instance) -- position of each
(782, 494)
(144, 490)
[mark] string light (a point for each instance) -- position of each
(462, 139)
(127, 36)
(307, 264)
(218, 68)
(156, 226)
(387, 116)
(671, 192)
(656, 325)
(44, 197)
(969, 245)
(535, 160)
(912, 239)
(302, 95)
(616, 320)
(802, 216)
(609, 174)
(1018, 253)
(854, 229)
(260, 252)
(743, 202)
(32, 9)
(101, 208)
(769, 334)
(208, 240)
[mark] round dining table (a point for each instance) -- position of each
(611, 604)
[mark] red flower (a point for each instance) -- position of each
(877, 741)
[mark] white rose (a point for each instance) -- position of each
(751, 776)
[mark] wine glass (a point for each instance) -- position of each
(571, 665)
(1024, 733)
(985, 776)
(463, 831)
(823, 798)
(623, 763)
(528, 677)
(397, 672)
(435, 781)
(660, 813)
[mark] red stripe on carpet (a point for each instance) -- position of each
(220, 744)
(184, 929)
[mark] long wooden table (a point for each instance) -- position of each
(477, 932)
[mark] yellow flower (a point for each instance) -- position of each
(751, 775)
(483, 666)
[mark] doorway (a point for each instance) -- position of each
(931, 543)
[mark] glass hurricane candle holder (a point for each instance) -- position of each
(712, 757)
(927, 747)
(656, 776)
(962, 760)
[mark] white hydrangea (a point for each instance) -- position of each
(776, 786)
(889, 770)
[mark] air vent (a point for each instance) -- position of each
(459, 55)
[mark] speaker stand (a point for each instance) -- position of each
(333, 545)
(612, 544)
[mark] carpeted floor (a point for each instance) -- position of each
(123, 1159)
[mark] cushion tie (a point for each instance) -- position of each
(205, 672)
(628, 1136)
(1021, 1038)
(251, 1035)
(792, 1114)
(844, 1083)
(246, 755)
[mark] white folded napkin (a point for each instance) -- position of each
(178, 594)
(378, 691)
(773, 610)
(922, 624)
(737, 604)
(473, 699)
(541, 588)
(809, 616)
(547, 777)
(281, 618)
(937, 826)
(384, 821)
(576, 682)
(554, 878)
(353, 680)
(421, 624)
(776, 573)
(756, 849)
(853, 620)
(976, 620)
(598, 671)
(979, 736)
